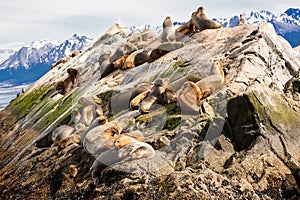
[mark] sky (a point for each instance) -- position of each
(24, 21)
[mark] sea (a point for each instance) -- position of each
(8, 93)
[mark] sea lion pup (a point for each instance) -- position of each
(61, 132)
(168, 34)
(202, 22)
(189, 97)
(163, 49)
(129, 62)
(101, 138)
(241, 21)
(156, 95)
(211, 83)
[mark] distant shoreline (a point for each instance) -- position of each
(10, 92)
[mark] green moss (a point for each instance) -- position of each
(172, 122)
(60, 113)
(22, 105)
(180, 64)
(273, 108)
(105, 96)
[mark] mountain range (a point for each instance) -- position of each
(286, 25)
(32, 61)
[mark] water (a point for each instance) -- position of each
(8, 93)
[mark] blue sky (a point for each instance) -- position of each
(24, 21)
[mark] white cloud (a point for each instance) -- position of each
(31, 20)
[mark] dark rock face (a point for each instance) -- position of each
(243, 144)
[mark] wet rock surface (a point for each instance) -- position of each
(242, 144)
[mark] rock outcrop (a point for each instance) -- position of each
(241, 141)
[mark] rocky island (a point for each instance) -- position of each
(192, 113)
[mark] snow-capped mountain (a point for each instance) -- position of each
(29, 54)
(5, 53)
(34, 60)
(286, 25)
(70, 45)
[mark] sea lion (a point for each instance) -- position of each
(70, 82)
(129, 63)
(211, 83)
(189, 97)
(186, 28)
(134, 103)
(202, 22)
(241, 21)
(163, 49)
(138, 94)
(101, 138)
(141, 58)
(75, 53)
(119, 63)
(131, 151)
(123, 139)
(177, 84)
(168, 34)
(156, 95)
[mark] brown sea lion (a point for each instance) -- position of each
(202, 22)
(101, 138)
(156, 95)
(211, 83)
(119, 63)
(75, 53)
(168, 34)
(141, 58)
(163, 49)
(189, 97)
(123, 139)
(129, 62)
(72, 81)
(241, 21)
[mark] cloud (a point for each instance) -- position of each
(31, 20)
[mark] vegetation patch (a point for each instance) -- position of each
(61, 112)
(172, 122)
(22, 105)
